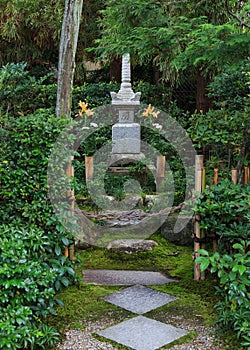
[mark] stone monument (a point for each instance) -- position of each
(126, 134)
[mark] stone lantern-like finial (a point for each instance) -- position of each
(126, 134)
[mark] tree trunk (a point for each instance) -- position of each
(67, 52)
(115, 70)
(203, 103)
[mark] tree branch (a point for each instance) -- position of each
(243, 24)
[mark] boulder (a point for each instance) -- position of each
(184, 237)
(130, 246)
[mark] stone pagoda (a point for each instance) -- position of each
(126, 134)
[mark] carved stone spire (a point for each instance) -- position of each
(126, 72)
(126, 95)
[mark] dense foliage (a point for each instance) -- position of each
(33, 265)
(223, 132)
(200, 34)
(30, 32)
(224, 213)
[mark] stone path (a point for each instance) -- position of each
(125, 277)
(139, 332)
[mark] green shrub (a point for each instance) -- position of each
(22, 93)
(19, 90)
(233, 271)
(33, 265)
(224, 211)
(27, 284)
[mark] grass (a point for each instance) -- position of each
(82, 302)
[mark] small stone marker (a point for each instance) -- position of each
(142, 333)
(139, 299)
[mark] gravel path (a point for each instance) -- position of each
(84, 340)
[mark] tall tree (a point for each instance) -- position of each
(66, 63)
(203, 35)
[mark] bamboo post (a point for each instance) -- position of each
(203, 186)
(70, 251)
(89, 168)
(246, 175)
(216, 176)
(215, 182)
(198, 188)
(160, 172)
(234, 176)
(66, 252)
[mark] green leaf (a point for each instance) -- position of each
(65, 241)
(59, 302)
(65, 281)
(241, 269)
(70, 271)
(203, 262)
(203, 252)
(57, 285)
(58, 250)
(238, 246)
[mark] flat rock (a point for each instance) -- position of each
(125, 277)
(139, 299)
(142, 333)
(130, 246)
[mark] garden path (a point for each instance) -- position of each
(138, 332)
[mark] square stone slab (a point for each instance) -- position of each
(139, 299)
(125, 277)
(142, 333)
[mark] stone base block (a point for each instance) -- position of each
(126, 138)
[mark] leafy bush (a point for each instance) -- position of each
(27, 283)
(33, 265)
(18, 89)
(23, 93)
(224, 211)
(233, 271)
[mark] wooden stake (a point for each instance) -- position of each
(198, 188)
(216, 177)
(66, 252)
(215, 182)
(89, 168)
(203, 246)
(160, 172)
(215, 245)
(234, 176)
(203, 184)
(246, 175)
(198, 172)
(70, 252)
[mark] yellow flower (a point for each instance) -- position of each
(83, 106)
(88, 112)
(150, 111)
(84, 109)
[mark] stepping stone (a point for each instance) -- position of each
(142, 333)
(139, 299)
(125, 277)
